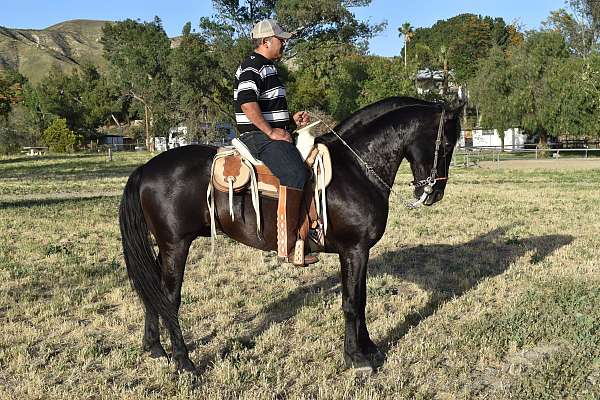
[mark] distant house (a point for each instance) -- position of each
(428, 81)
(514, 138)
(178, 136)
(116, 142)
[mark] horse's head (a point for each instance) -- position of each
(430, 173)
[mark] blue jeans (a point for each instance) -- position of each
(282, 158)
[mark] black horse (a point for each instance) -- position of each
(167, 197)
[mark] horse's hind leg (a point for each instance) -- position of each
(173, 257)
(151, 341)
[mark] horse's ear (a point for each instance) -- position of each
(455, 106)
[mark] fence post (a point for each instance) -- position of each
(110, 154)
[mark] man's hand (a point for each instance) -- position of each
(280, 134)
(301, 118)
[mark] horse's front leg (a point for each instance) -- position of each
(357, 343)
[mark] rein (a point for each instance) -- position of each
(428, 183)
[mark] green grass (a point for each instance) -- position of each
(491, 294)
(476, 155)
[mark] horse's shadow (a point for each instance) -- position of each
(448, 271)
(445, 271)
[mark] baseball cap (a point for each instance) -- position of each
(268, 28)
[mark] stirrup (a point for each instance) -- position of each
(298, 258)
(299, 253)
(316, 234)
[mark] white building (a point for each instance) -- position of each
(178, 136)
(427, 81)
(514, 138)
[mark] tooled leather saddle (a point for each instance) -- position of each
(235, 170)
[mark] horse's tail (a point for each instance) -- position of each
(143, 266)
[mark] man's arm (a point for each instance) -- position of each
(253, 112)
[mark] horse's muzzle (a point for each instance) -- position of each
(427, 199)
(434, 197)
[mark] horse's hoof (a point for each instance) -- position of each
(156, 351)
(376, 355)
(363, 372)
(360, 364)
(185, 365)
(378, 358)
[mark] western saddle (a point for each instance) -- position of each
(235, 170)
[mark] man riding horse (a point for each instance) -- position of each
(262, 118)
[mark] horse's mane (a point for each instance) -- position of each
(370, 113)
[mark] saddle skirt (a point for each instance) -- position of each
(235, 170)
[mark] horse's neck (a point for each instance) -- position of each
(382, 150)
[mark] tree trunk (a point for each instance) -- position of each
(148, 126)
(543, 145)
(445, 87)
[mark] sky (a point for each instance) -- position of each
(30, 14)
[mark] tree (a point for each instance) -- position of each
(85, 99)
(11, 95)
(564, 22)
(406, 31)
(575, 82)
(588, 13)
(325, 72)
(198, 87)
(467, 38)
(580, 27)
(11, 90)
(530, 64)
(58, 137)
(59, 95)
(138, 53)
(386, 77)
(492, 90)
(519, 86)
(227, 50)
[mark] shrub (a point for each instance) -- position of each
(58, 137)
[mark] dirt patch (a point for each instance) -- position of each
(567, 164)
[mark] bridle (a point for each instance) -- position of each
(428, 183)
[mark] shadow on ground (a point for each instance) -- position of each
(443, 270)
(447, 271)
(29, 203)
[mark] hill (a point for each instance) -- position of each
(66, 46)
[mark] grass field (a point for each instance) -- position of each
(493, 293)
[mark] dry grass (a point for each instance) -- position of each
(491, 294)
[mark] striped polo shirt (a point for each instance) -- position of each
(257, 80)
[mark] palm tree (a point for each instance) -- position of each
(407, 31)
(443, 57)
